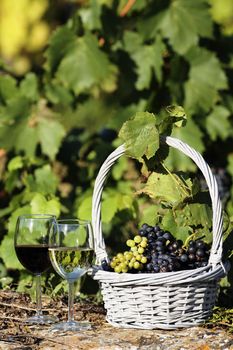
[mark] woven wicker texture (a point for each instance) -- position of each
(164, 300)
(159, 307)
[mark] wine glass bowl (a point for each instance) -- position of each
(31, 243)
(71, 253)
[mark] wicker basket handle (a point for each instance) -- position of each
(216, 249)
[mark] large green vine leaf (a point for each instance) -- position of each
(45, 180)
(8, 88)
(140, 135)
(206, 77)
(170, 188)
(60, 42)
(50, 133)
(184, 21)
(7, 251)
(148, 58)
(29, 87)
(40, 204)
(91, 15)
(218, 123)
(85, 66)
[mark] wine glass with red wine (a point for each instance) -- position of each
(31, 246)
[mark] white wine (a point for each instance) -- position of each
(71, 262)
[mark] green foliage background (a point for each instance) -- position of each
(107, 62)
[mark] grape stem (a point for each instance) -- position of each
(192, 236)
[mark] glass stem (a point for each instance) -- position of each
(71, 302)
(38, 296)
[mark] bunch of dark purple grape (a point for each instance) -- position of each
(154, 250)
(166, 254)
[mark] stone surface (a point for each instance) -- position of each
(15, 334)
(106, 337)
(109, 338)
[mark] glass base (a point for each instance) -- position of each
(72, 326)
(42, 319)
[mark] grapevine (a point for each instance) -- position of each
(103, 65)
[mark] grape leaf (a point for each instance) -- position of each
(179, 231)
(15, 163)
(60, 42)
(148, 58)
(11, 182)
(138, 5)
(206, 77)
(14, 121)
(191, 218)
(171, 189)
(201, 214)
(192, 135)
(230, 164)
(37, 127)
(85, 66)
(29, 87)
(50, 134)
(20, 133)
(198, 216)
(8, 88)
(13, 219)
(18, 107)
(39, 204)
(148, 215)
(218, 123)
(119, 168)
(8, 254)
(84, 208)
(26, 138)
(58, 94)
(123, 113)
(177, 112)
(91, 15)
(109, 208)
(7, 244)
(140, 135)
(114, 201)
(184, 21)
(228, 101)
(46, 181)
(91, 114)
(151, 27)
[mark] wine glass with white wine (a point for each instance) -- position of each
(71, 251)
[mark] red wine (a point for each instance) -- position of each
(35, 258)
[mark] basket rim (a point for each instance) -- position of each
(198, 275)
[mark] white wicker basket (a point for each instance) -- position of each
(164, 300)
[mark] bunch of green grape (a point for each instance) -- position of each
(132, 259)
